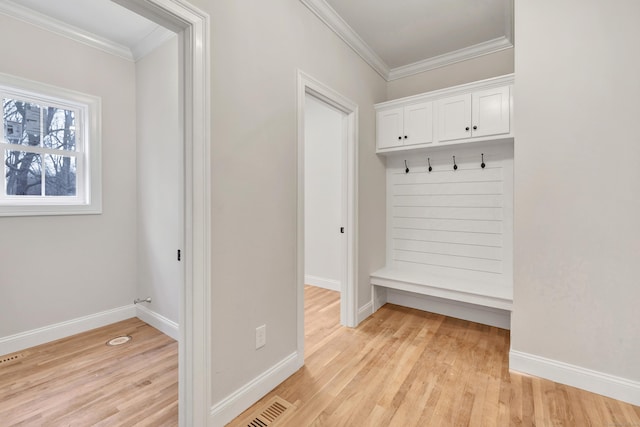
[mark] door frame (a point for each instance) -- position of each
(194, 354)
(348, 295)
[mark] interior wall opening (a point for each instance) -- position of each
(323, 189)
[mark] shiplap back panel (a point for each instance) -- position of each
(452, 223)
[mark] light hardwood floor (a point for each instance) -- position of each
(80, 381)
(404, 367)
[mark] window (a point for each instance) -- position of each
(50, 147)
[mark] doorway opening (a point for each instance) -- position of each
(192, 27)
(340, 267)
(323, 194)
(324, 141)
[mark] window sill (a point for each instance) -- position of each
(46, 210)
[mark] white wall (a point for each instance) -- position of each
(256, 49)
(323, 194)
(57, 268)
(480, 68)
(159, 175)
(577, 181)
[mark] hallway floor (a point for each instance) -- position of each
(404, 367)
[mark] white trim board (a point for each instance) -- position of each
(462, 291)
(365, 311)
(151, 42)
(34, 337)
(322, 282)
(194, 354)
(334, 21)
(234, 404)
(470, 52)
(576, 376)
(158, 321)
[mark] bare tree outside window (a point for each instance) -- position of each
(30, 172)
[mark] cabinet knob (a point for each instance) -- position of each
(467, 128)
(399, 137)
(405, 137)
(475, 127)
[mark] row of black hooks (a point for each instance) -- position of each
(455, 166)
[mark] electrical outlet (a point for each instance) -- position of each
(261, 336)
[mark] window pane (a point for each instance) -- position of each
(59, 129)
(24, 177)
(21, 122)
(60, 175)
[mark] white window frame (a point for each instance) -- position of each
(88, 199)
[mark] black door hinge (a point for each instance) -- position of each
(342, 230)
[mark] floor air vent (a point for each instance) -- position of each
(119, 340)
(275, 409)
(9, 358)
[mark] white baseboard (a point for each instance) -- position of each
(23, 340)
(364, 312)
(321, 282)
(158, 321)
(239, 401)
(460, 310)
(576, 376)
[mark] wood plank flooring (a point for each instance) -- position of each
(80, 381)
(405, 367)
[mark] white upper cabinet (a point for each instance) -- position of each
(454, 115)
(418, 123)
(466, 113)
(390, 128)
(473, 115)
(490, 112)
(410, 125)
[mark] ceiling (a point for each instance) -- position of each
(396, 37)
(403, 37)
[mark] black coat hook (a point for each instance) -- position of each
(429, 163)
(482, 165)
(455, 167)
(406, 170)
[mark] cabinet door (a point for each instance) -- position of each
(389, 125)
(454, 118)
(418, 124)
(491, 112)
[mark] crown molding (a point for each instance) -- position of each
(145, 46)
(335, 22)
(449, 58)
(48, 23)
(153, 40)
(338, 25)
